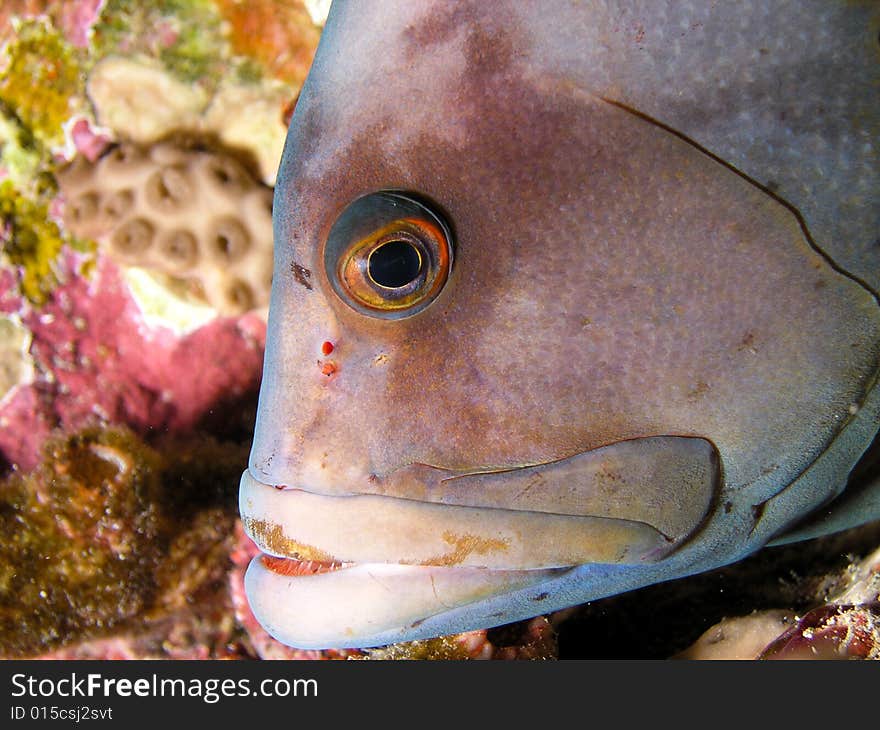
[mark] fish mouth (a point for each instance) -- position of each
(366, 570)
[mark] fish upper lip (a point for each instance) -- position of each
(667, 481)
(296, 523)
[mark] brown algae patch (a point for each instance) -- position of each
(109, 535)
(79, 536)
(463, 546)
(271, 537)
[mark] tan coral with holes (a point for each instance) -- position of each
(189, 213)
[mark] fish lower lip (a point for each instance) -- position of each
(374, 529)
(368, 604)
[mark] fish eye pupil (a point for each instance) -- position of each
(394, 264)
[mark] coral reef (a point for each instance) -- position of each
(109, 537)
(80, 536)
(18, 154)
(836, 631)
(77, 76)
(189, 213)
(125, 416)
(733, 612)
(185, 36)
(144, 103)
(845, 626)
(74, 19)
(741, 637)
(260, 132)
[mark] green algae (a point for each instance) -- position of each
(30, 240)
(18, 151)
(41, 84)
(42, 79)
(185, 35)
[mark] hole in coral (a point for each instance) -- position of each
(84, 207)
(226, 173)
(133, 238)
(181, 248)
(118, 204)
(77, 168)
(230, 239)
(124, 155)
(169, 189)
(239, 296)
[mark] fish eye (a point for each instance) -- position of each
(388, 254)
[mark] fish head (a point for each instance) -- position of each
(526, 346)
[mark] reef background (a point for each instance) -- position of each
(128, 390)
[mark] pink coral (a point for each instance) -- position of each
(90, 143)
(74, 19)
(99, 361)
(831, 632)
(10, 300)
(77, 19)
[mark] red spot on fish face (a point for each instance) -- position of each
(326, 348)
(328, 368)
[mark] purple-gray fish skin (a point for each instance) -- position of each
(569, 299)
